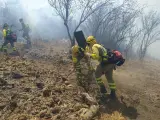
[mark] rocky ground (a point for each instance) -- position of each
(41, 85)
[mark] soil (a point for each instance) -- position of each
(41, 85)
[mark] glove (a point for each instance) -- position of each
(87, 54)
(74, 60)
(81, 49)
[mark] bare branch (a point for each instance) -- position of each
(66, 9)
(150, 33)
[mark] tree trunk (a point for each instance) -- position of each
(143, 53)
(70, 37)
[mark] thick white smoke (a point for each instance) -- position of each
(37, 13)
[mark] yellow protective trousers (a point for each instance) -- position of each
(108, 71)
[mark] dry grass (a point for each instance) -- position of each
(115, 116)
(138, 83)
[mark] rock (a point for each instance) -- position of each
(69, 86)
(34, 112)
(52, 104)
(46, 93)
(34, 119)
(55, 110)
(56, 100)
(2, 105)
(58, 89)
(66, 83)
(37, 75)
(16, 75)
(88, 99)
(13, 105)
(71, 109)
(23, 117)
(6, 73)
(40, 85)
(64, 79)
(47, 116)
(12, 85)
(78, 106)
(42, 113)
(27, 89)
(3, 82)
(87, 114)
(72, 117)
(56, 117)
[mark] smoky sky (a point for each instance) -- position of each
(45, 24)
(152, 5)
(38, 14)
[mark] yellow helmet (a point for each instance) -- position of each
(75, 49)
(91, 39)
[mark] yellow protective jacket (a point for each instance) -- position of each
(88, 49)
(99, 53)
(76, 57)
(4, 33)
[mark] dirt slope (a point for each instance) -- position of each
(42, 86)
(140, 82)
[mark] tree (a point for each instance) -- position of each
(132, 39)
(150, 32)
(68, 10)
(111, 24)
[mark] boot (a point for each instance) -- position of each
(103, 89)
(14, 49)
(103, 97)
(1, 49)
(113, 94)
(5, 51)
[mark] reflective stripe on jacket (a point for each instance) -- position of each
(99, 53)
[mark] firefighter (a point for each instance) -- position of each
(25, 29)
(7, 38)
(100, 53)
(77, 56)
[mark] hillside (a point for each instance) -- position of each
(41, 85)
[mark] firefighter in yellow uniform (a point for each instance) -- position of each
(77, 56)
(7, 38)
(26, 30)
(100, 53)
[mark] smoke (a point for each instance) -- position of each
(152, 5)
(43, 21)
(37, 13)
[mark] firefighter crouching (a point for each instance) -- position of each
(100, 53)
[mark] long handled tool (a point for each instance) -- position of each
(80, 39)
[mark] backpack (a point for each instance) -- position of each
(8, 34)
(115, 57)
(112, 57)
(11, 36)
(14, 37)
